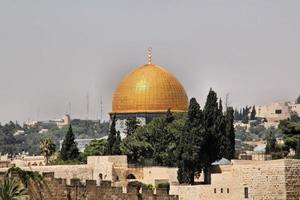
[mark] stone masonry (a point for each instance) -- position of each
(51, 188)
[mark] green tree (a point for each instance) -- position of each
(189, 145)
(136, 150)
(10, 189)
(95, 148)
(271, 143)
(113, 140)
(131, 125)
(245, 114)
(210, 147)
(230, 134)
(116, 150)
(291, 133)
(297, 152)
(253, 113)
(156, 142)
(298, 100)
(294, 117)
(169, 116)
(69, 149)
(47, 148)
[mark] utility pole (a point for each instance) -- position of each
(87, 106)
(101, 109)
(70, 108)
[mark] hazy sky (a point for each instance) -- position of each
(55, 52)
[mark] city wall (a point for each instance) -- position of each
(243, 179)
(255, 180)
(51, 188)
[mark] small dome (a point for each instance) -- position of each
(260, 148)
(149, 89)
(223, 161)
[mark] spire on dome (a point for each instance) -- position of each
(150, 55)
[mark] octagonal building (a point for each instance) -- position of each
(145, 93)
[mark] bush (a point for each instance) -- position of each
(135, 184)
(59, 161)
(163, 186)
(147, 187)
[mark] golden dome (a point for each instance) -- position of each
(149, 89)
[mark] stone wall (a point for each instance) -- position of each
(254, 180)
(257, 180)
(51, 188)
(292, 177)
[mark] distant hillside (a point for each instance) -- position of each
(28, 141)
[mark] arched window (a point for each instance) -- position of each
(130, 176)
(100, 176)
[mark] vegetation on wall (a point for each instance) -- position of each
(10, 189)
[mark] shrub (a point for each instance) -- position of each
(147, 187)
(163, 186)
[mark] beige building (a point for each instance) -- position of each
(64, 121)
(240, 180)
(277, 111)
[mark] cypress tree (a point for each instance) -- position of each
(298, 100)
(223, 141)
(236, 115)
(271, 143)
(69, 149)
(245, 114)
(297, 152)
(113, 140)
(116, 150)
(230, 134)
(188, 149)
(253, 113)
(210, 149)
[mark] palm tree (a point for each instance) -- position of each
(10, 189)
(47, 148)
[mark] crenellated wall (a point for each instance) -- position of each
(57, 189)
(257, 180)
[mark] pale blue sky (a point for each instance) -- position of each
(55, 52)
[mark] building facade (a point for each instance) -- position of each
(277, 111)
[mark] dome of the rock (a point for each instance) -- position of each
(149, 89)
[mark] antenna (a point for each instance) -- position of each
(70, 108)
(101, 109)
(87, 106)
(38, 113)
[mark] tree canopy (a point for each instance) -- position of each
(47, 148)
(155, 142)
(69, 150)
(291, 133)
(95, 148)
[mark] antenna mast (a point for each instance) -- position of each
(101, 109)
(87, 106)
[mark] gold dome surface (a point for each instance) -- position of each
(149, 89)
